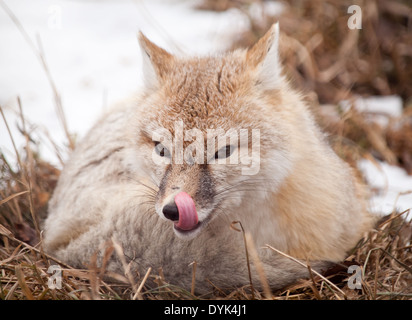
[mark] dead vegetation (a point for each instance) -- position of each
(332, 64)
(322, 54)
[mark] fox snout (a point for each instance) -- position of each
(186, 198)
(182, 211)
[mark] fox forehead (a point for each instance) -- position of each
(204, 93)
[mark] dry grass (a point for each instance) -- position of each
(322, 54)
(331, 64)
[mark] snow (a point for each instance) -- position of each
(392, 187)
(388, 105)
(92, 52)
(377, 108)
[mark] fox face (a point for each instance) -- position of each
(204, 132)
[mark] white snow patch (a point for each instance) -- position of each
(392, 187)
(378, 109)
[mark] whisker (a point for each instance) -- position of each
(145, 193)
(248, 182)
(134, 179)
(242, 187)
(147, 202)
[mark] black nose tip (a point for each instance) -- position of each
(171, 212)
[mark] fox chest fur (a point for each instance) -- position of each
(208, 141)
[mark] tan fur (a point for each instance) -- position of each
(302, 201)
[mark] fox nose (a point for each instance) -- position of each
(171, 212)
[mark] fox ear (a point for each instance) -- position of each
(263, 57)
(156, 62)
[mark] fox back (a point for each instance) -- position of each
(206, 142)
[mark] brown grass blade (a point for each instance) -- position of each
(12, 196)
(119, 250)
(22, 282)
(304, 265)
(259, 266)
(5, 232)
(138, 294)
(14, 253)
(232, 225)
(194, 266)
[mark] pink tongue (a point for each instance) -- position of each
(187, 212)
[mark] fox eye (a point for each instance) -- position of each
(161, 150)
(224, 152)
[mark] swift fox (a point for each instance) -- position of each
(161, 176)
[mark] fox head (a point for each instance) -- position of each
(209, 131)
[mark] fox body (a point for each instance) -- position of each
(123, 185)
